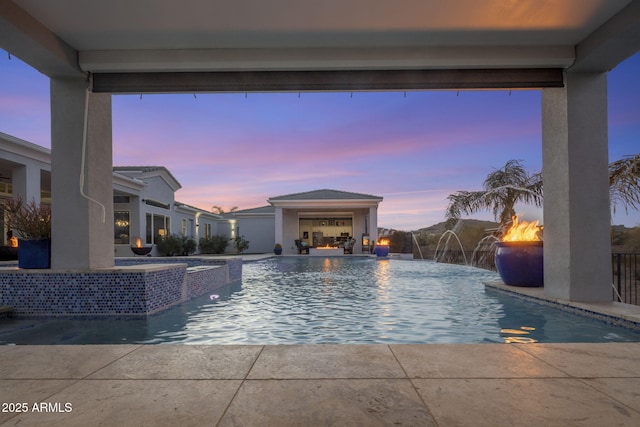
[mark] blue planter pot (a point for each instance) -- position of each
(520, 263)
(34, 253)
(277, 251)
(381, 250)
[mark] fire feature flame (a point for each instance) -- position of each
(522, 231)
(138, 242)
(383, 242)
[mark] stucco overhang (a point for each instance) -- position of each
(326, 204)
(142, 172)
(28, 150)
(325, 199)
(127, 185)
(188, 209)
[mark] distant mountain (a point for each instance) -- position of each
(440, 227)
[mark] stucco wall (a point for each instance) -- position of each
(260, 232)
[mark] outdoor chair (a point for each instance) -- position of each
(302, 248)
(348, 246)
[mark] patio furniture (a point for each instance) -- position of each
(302, 248)
(348, 246)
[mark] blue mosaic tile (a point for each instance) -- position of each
(113, 293)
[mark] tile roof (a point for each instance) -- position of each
(326, 194)
(260, 210)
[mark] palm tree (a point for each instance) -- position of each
(220, 210)
(503, 188)
(624, 183)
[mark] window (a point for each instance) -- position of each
(121, 227)
(6, 188)
(184, 228)
(157, 226)
(207, 230)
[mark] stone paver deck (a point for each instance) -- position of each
(320, 385)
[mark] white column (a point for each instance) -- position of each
(279, 228)
(82, 230)
(25, 180)
(373, 224)
(577, 248)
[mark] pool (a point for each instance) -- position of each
(349, 300)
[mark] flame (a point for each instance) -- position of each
(13, 242)
(138, 242)
(522, 231)
(383, 242)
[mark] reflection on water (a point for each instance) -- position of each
(336, 300)
(515, 336)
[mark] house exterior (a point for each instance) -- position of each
(325, 217)
(144, 205)
(144, 208)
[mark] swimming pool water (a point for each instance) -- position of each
(349, 300)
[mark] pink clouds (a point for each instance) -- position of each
(236, 150)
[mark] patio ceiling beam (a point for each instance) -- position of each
(321, 81)
(26, 38)
(612, 43)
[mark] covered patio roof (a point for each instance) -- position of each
(255, 45)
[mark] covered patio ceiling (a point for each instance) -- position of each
(265, 45)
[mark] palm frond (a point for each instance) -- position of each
(503, 188)
(624, 182)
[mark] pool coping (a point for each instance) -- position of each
(616, 313)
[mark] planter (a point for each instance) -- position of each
(277, 251)
(520, 263)
(34, 253)
(381, 251)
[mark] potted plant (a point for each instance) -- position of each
(32, 223)
(277, 249)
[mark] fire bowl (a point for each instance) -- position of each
(143, 250)
(381, 250)
(520, 263)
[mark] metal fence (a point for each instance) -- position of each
(626, 278)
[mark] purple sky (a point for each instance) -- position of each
(414, 150)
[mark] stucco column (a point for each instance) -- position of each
(82, 229)
(25, 180)
(577, 248)
(279, 227)
(373, 224)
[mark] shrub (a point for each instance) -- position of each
(241, 244)
(213, 244)
(174, 245)
(30, 220)
(169, 245)
(189, 246)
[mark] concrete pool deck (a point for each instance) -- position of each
(318, 385)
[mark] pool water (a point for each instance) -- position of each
(349, 300)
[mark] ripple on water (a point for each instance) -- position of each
(338, 300)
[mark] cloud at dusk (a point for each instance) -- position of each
(413, 150)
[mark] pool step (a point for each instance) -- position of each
(6, 311)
